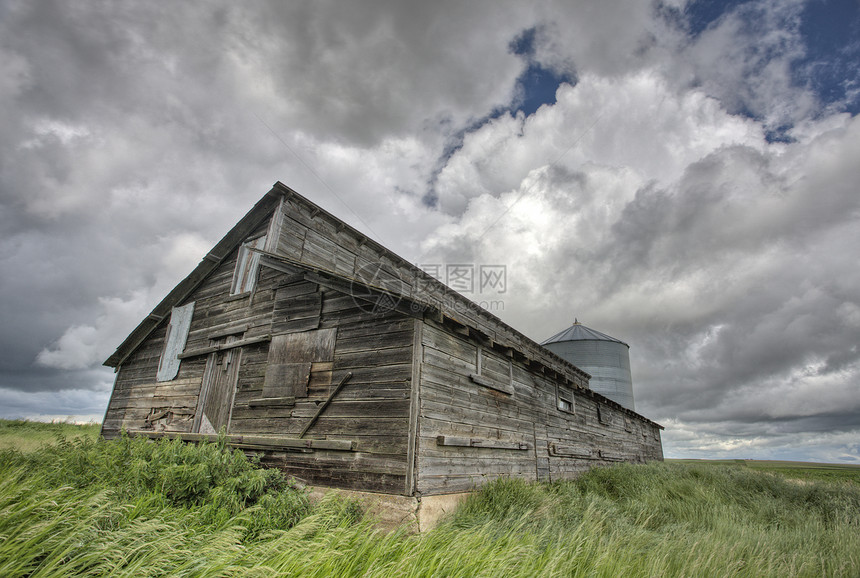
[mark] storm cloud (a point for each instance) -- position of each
(689, 187)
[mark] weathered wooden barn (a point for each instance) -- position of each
(346, 366)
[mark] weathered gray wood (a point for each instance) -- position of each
(309, 346)
(287, 380)
(376, 375)
(339, 426)
(452, 407)
(272, 402)
(570, 451)
(247, 269)
(319, 471)
(492, 384)
(414, 406)
(611, 456)
(257, 441)
(438, 340)
(224, 346)
(374, 357)
(372, 342)
(347, 332)
(184, 401)
(325, 404)
(441, 359)
(291, 360)
(357, 408)
(371, 394)
(216, 395)
(480, 443)
(233, 329)
(296, 312)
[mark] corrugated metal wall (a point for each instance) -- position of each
(608, 362)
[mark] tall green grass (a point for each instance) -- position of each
(138, 508)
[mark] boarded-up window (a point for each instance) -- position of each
(564, 399)
(604, 415)
(174, 343)
(288, 367)
(493, 371)
(247, 265)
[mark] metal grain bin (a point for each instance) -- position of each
(607, 360)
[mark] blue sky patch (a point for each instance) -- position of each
(535, 87)
(702, 13)
(831, 30)
(537, 84)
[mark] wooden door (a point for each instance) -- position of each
(219, 387)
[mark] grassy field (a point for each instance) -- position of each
(27, 436)
(794, 470)
(137, 508)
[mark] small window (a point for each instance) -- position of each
(564, 399)
(604, 415)
(493, 372)
(247, 265)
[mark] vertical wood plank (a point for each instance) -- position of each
(414, 405)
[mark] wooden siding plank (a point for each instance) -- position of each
(225, 346)
(481, 443)
(414, 407)
(258, 441)
(498, 385)
(325, 404)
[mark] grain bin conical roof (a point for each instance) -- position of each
(603, 357)
(579, 332)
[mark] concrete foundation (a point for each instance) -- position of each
(392, 511)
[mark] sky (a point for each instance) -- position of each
(680, 175)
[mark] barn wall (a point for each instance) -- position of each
(371, 410)
(470, 432)
(138, 396)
